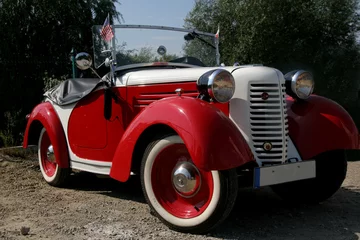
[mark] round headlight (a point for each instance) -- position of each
(301, 84)
(219, 84)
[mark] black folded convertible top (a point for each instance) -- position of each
(72, 90)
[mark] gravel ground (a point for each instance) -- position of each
(100, 208)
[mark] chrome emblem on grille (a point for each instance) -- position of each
(267, 146)
(264, 96)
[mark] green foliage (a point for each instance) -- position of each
(317, 35)
(165, 58)
(202, 51)
(142, 55)
(12, 120)
(52, 81)
(36, 39)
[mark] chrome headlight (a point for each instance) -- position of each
(218, 84)
(299, 84)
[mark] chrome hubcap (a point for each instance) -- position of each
(50, 154)
(186, 179)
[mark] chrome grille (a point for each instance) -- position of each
(268, 122)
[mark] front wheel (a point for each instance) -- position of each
(185, 198)
(50, 170)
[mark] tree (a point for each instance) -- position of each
(317, 35)
(201, 50)
(37, 37)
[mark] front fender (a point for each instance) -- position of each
(212, 139)
(45, 114)
(318, 124)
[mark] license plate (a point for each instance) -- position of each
(265, 176)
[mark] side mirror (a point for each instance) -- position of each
(83, 60)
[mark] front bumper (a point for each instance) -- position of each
(289, 172)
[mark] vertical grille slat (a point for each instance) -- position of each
(268, 121)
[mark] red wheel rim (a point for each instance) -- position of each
(48, 166)
(165, 193)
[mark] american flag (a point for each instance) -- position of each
(106, 31)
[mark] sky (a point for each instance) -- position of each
(155, 12)
(169, 13)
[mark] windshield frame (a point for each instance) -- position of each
(158, 27)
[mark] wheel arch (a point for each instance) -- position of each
(45, 116)
(322, 123)
(213, 140)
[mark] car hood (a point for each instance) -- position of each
(157, 76)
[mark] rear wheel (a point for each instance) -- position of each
(185, 198)
(50, 170)
(331, 168)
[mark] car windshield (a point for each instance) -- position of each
(147, 44)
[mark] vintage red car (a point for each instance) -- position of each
(194, 130)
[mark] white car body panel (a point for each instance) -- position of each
(265, 176)
(145, 77)
(95, 166)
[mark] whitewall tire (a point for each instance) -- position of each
(210, 197)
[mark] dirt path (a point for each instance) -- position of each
(98, 208)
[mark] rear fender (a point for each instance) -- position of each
(45, 115)
(318, 125)
(213, 141)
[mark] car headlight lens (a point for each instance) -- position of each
(301, 84)
(219, 84)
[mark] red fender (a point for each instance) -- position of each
(318, 125)
(46, 115)
(213, 141)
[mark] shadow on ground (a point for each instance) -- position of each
(258, 214)
(261, 211)
(130, 190)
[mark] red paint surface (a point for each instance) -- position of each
(141, 96)
(90, 135)
(165, 193)
(212, 139)
(46, 115)
(87, 126)
(320, 124)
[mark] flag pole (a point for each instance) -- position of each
(113, 53)
(217, 34)
(73, 62)
(110, 44)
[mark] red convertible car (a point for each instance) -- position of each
(193, 129)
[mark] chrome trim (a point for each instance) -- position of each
(207, 81)
(50, 154)
(186, 179)
(294, 80)
(179, 91)
(162, 28)
(268, 121)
